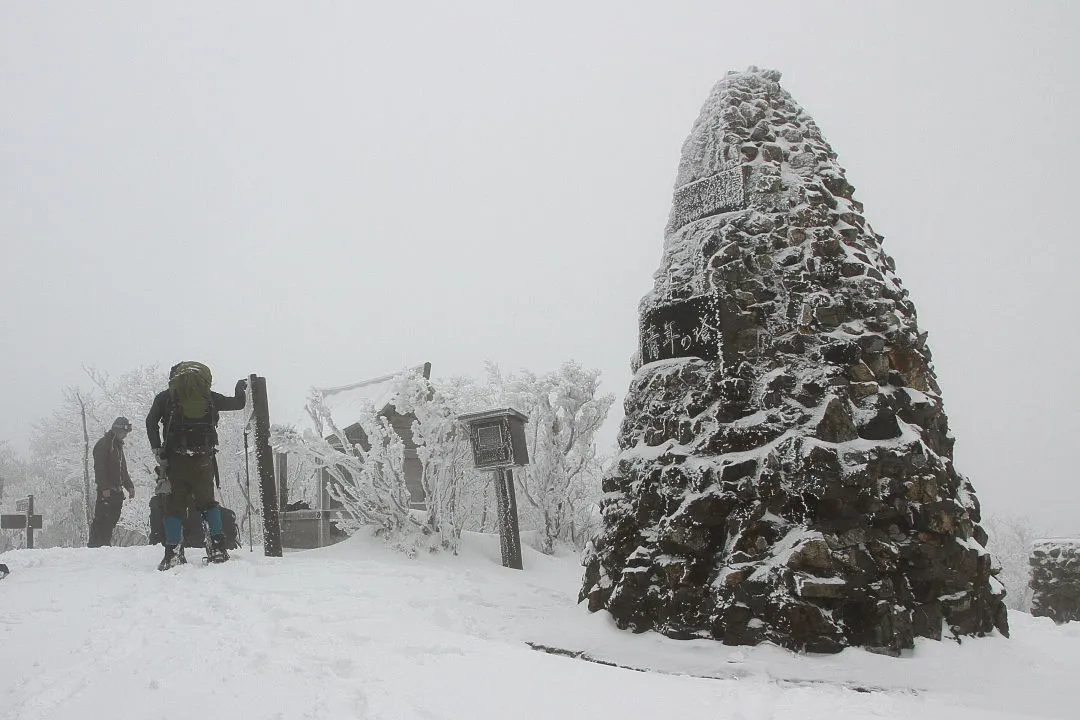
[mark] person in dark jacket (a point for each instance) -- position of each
(111, 475)
(185, 451)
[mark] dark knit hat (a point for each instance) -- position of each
(121, 423)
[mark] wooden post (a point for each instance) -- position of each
(515, 532)
(247, 486)
(24, 520)
(282, 466)
(264, 462)
(509, 535)
(29, 524)
(502, 508)
(324, 505)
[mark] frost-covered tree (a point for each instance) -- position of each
(13, 472)
(560, 487)
(558, 493)
(1010, 544)
(365, 465)
(366, 472)
(454, 491)
(58, 470)
(8, 465)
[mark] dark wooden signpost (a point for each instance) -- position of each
(498, 443)
(25, 520)
(264, 462)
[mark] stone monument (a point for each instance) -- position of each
(786, 469)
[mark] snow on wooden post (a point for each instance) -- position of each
(264, 462)
(30, 522)
(509, 535)
(498, 443)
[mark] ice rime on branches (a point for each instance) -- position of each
(442, 446)
(557, 493)
(561, 485)
(367, 470)
(367, 476)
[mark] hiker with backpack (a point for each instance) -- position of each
(185, 448)
(111, 477)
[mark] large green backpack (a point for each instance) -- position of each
(192, 420)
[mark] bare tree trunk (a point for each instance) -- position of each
(86, 460)
(484, 513)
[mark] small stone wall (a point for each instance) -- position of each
(1055, 578)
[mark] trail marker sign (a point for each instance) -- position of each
(19, 522)
(498, 443)
(25, 520)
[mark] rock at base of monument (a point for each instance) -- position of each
(830, 616)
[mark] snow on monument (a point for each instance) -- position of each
(786, 468)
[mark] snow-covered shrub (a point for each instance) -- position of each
(1010, 543)
(557, 493)
(367, 474)
(442, 445)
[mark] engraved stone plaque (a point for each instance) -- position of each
(683, 328)
(711, 195)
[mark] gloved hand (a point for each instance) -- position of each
(131, 493)
(159, 457)
(241, 386)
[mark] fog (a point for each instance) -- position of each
(327, 192)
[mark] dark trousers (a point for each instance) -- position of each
(192, 480)
(106, 515)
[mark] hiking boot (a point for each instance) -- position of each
(172, 558)
(218, 552)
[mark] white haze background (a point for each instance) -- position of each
(327, 192)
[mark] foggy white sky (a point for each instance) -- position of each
(325, 192)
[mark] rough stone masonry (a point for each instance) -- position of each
(1055, 578)
(786, 469)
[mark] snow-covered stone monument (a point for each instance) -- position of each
(786, 467)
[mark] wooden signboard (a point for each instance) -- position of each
(20, 522)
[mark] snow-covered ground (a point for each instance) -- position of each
(358, 631)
